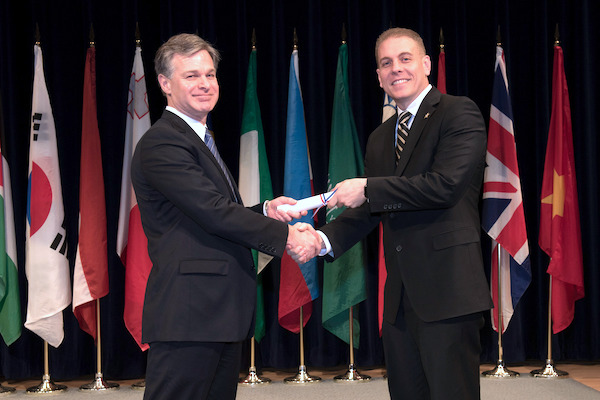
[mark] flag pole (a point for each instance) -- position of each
(253, 378)
(500, 371)
(47, 386)
(352, 374)
(302, 376)
(549, 371)
(99, 383)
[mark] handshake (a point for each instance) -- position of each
(303, 242)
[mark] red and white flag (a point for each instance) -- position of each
(46, 264)
(132, 245)
(90, 277)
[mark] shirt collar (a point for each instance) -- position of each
(197, 126)
(414, 106)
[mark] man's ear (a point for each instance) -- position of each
(427, 65)
(165, 84)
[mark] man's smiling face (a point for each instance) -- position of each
(403, 69)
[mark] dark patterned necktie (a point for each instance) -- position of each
(212, 146)
(402, 133)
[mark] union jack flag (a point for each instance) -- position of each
(503, 218)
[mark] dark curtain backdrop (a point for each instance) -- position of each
(470, 27)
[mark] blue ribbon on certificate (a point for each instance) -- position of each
(309, 203)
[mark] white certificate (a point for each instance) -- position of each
(309, 203)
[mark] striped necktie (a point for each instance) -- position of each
(402, 133)
(212, 146)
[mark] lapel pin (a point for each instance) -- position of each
(426, 116)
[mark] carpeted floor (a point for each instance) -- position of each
(523, 387)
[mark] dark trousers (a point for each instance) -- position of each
(192, 371)
(432, 360)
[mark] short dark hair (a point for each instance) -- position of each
(398, 32)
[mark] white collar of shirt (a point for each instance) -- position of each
(413, 107)
(197, 126)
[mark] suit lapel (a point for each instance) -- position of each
(427, 108)
(184, 128)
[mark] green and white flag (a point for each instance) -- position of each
(344, 278)
(255, 178)
(10, 306)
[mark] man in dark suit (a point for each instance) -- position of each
(423, 181)
(200, 296)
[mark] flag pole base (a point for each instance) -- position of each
(47, 386)
(99, 384)
(253, 379)
(548, 371)
(6, 390)
(141, 385)
(352, 375)
(302, 377)
(500, 372)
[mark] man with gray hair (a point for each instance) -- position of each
(200, 296)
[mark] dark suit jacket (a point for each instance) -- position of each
(429, 208)
(202, 284)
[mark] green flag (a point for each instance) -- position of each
(343, 279)
(255, 178)
(10, 306)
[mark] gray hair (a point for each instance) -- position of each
(185, 44)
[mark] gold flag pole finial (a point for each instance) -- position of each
(344, 34)
(498, 38)
(556, 36)
(295, 40)
(138, 36)
(253, 40)
(92, 42)
(37, 35)
(441, 40)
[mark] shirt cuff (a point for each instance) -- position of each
(327, 249)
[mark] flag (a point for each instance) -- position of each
(389, 110)
(90, 276)
(343, 279)
(560, 235)
(298, 283)
(502, 215)
(10, 302)
(255, 177)
(132, 245)
(46, 264)
(441, 79)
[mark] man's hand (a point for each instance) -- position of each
(303, 243)
(284, 216)
(349, 193)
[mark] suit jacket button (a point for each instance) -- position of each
(399, 248)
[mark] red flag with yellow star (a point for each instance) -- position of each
(560, 235)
